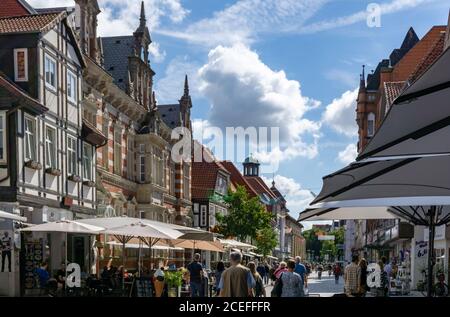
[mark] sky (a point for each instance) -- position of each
(289, 64)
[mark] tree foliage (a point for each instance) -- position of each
(246, 216)
(266, 241)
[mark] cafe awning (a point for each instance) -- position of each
(65, 226)
(236, 244)
(418, 121)
(408, 189)
(348, 213)
(143, 246)
(10, 216)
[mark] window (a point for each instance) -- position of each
(212, 216)
(186, 178)
(196, 215)
(105, 149)
(71, 156)
(50, 147)
(2, 137)
(130, 159)
(142, 168)
(203, 216)
(21, 64)
(72, 92)
(118, 151)
(371, 124)
(30, 139)
(87, 161)
(50, 72)
(221, 185)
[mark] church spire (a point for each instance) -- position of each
(362, 81)
(186, 86)
(142, 19)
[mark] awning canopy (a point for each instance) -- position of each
(197, 245)
(143, 246)
(65, 226)
(236, 244)
(419, 120)
(408, 189)
(10, 216)
(348, 213)
(145, 228)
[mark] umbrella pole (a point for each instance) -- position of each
(139, 259)
(123, 265)
(432, 229)
(65, 266)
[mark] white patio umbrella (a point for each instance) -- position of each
(65, 226)
(10, 216)
(231, 243)
(150, 232)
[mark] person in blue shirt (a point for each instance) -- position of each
(196, 277)
(300, 269)
(43, 275)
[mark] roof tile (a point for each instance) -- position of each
(29, 23)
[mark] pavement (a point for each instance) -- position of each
(325, 287)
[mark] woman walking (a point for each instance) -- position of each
(292, 285)
(218, 275)
(259, 290)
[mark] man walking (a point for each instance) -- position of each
(337, 273)
(352, 277)
(300, 269)
(195, 275)
(6, 244)
(237, 280)
(261, 271)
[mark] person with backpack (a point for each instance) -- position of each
(258, 290)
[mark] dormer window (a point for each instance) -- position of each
(221, 187)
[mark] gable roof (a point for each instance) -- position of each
(116, 50)
(409, 41)
(429, 59)
(238, 179)
(392, 90)
(36, 23)
(205, 173)
(13, 90)
(10, 8)
(260, 186)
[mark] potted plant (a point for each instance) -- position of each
(89, 183)
(75, 178)
(174, 280)
(33, 165)
(53, 171)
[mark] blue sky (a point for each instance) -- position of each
(288, 63)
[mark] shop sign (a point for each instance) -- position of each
(422, 249)
(438, 235)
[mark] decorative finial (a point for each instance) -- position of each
(142, 19)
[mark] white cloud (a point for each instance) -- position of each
(296, 196)
(158, 54)
(244, 92)
(348, 155)
(341, 114)
(246, 20)
(170, 88)
(50, 3)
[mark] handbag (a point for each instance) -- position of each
(277, 288)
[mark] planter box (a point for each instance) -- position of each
(53, 171)
(75, 178)
(33, 165)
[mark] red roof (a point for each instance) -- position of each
(10, 8)
(392, 90)
(238, 179)
(429, 59)
(204, 175)
(260, 186)
(30, 23)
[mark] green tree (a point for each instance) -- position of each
(266, 241)
(246, 216)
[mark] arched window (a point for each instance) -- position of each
(370, 124)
